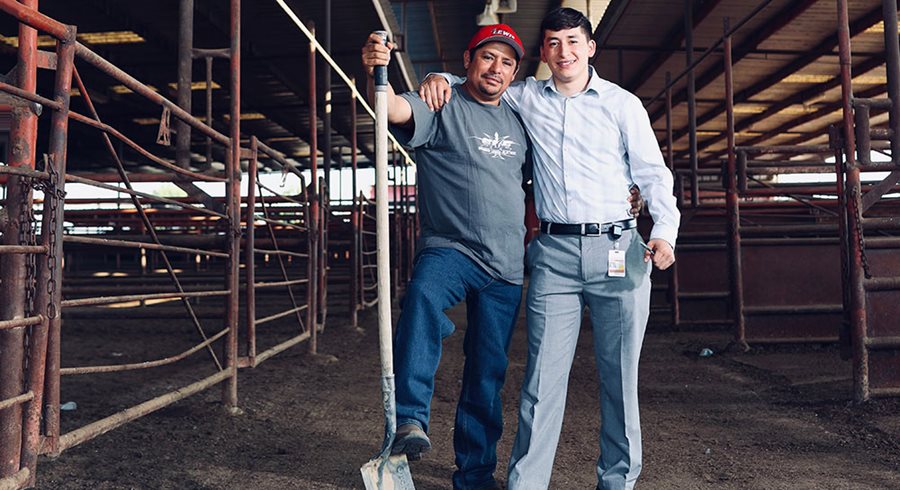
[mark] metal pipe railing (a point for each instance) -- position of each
(115, 368)
(256, 198)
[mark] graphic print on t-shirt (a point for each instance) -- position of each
(496, 146)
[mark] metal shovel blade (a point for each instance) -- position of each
(387, 473)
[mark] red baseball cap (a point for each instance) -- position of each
(499, 33)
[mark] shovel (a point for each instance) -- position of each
(385, 471)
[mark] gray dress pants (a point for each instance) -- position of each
(567, 272)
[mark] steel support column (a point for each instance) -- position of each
(250, 250)
(312, 313)
(15, 276)
(734, 216)
(209, 109)
(326, 118)
(355, 220)
(854, 216)
(322, 250)
(327, 156)
(395, 235)
(233, 199)
(844, 335)
(691, 99)
(49, 292)
(185, 77)
(892, 58)
(670, 161)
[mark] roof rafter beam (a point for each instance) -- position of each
(781, 19)
(804, 119)
(222, 23)
(823, 48)
(806, 94)
(610, 21)
(674, 38)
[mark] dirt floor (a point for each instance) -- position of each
(775, 418)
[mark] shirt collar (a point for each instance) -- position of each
(595, 85)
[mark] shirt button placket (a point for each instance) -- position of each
(565, 164)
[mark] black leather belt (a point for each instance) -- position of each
(614, 228)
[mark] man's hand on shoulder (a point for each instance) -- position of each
(661, 253)
(435, 91)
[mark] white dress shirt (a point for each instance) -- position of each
(588, 149)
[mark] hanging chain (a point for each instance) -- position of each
(26, 226)
(857, 219)
(52, 195)
(27, 238)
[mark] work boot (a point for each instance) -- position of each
(412, 441)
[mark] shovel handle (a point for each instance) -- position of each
(381, 70)
(382, 221)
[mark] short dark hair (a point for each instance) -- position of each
(562, 18)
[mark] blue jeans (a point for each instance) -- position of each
(442, 278)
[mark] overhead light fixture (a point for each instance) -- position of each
(95, 38)
(489, 16)
(43, 41)
(201, 85)
(121, 89)
(111, 37)
(506, 6)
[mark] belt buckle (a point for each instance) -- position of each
(616, 229)
(590, 229)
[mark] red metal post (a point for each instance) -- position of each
(322, 291)
(858, 320)
(844, 335)
(691, 99)
(232, 278)
(734, 216)
(670, 152)
(407, 224)
(395, 236)
(15, 276)
(250, 251)
(312, 271)
(892, 60)
(326, 124)
(416, 215)
(354, 218)
(185, 77)
(670, 160)
(209, 108)
(49, 294)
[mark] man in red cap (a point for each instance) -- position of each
(470, 159)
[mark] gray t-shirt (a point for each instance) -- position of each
(470, 158)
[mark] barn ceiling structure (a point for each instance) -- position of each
(779, 119)
(785, 62)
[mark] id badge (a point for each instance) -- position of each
(616, 263)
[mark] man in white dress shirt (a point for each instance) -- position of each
(591, 139)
